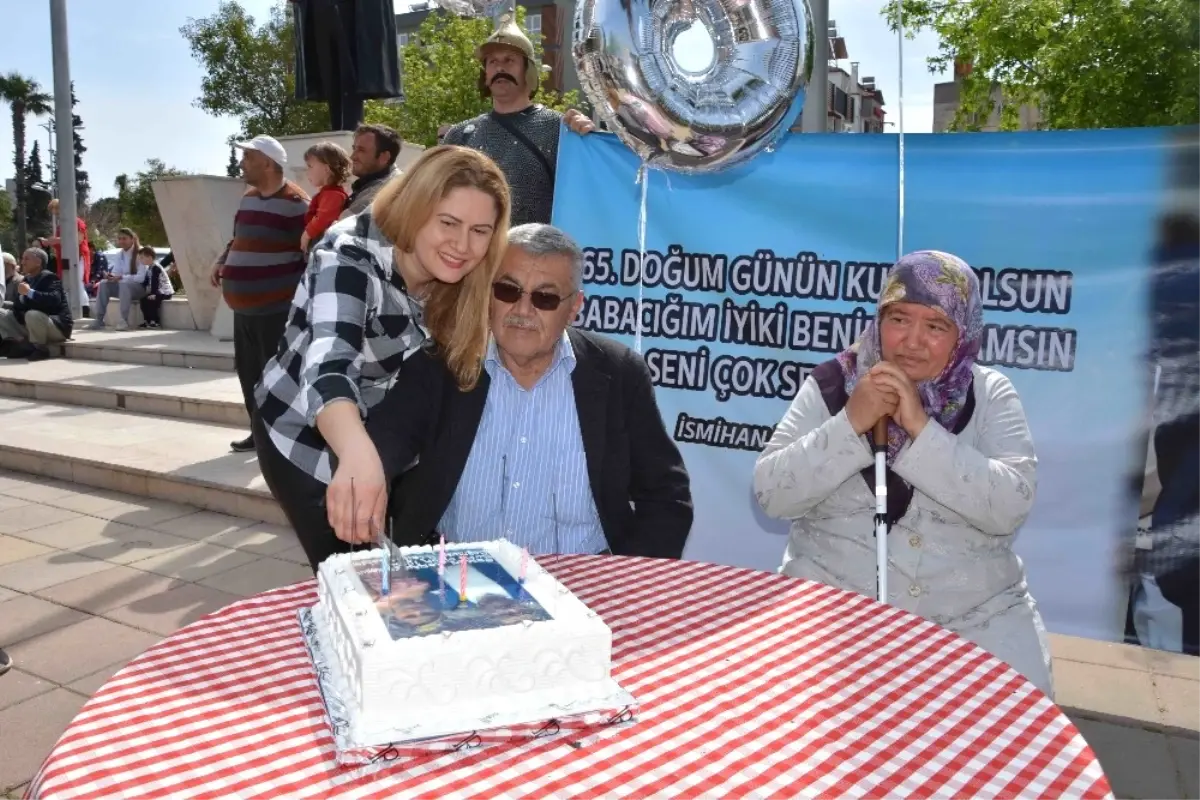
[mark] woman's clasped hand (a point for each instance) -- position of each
(908, 412)
(885, 391)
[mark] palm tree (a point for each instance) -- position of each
(26, 97)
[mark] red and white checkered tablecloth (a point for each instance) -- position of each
(750, 684)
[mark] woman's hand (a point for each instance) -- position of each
(910, 413)
(304, 240)
(869, 401)
(356, 499)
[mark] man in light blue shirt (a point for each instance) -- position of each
(126, 279)
(560, 447)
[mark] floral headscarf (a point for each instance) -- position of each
(938, 280)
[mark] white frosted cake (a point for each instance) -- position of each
(427, 660)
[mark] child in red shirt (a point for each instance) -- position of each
(328, 168)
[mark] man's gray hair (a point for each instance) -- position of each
(540, 239)
(39, 254)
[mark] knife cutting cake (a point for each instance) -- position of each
(493, 639)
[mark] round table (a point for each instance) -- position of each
(749, 684)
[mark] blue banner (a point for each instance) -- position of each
(755, 276)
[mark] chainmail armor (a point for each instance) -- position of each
(532, 187)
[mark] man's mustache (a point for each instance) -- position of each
(517, 321)
(502, 76)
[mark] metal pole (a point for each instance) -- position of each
(68, 212)
(814, 118)
(879, 440)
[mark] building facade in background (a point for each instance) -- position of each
(854, 105)
(946, 100)
(552, 21)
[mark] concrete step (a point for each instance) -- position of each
(159, 348)
(169, 459)
(196, 395)
(174, 314)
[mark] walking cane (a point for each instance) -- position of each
(880, 441)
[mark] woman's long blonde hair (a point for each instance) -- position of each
(455, 314)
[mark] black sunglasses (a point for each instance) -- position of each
(539, 298)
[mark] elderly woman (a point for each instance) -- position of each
(962, 468)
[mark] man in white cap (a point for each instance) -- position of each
(262, 264)
(519, 135)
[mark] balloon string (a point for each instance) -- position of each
(643, 177)
(900, 171)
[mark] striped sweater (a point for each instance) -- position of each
(263, 263)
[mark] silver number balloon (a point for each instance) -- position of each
(695, 120)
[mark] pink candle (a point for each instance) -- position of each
(442, 557)
(462, 578)
(524, 563)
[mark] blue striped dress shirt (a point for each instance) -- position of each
(526, 479)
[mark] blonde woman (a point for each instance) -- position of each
(413, 271)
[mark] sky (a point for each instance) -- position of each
(137, 81)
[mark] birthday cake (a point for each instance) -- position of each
(473, 637)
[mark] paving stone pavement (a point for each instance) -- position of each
(89, 579)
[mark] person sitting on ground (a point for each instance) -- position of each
(373, 163)
(564, 421)
(40, 315)
(158, 288)
(328, 168)
(125, 279)
(97, 274)
(962, 467)
(12, 279)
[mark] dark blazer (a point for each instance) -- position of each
(50, 298)
(639, 483)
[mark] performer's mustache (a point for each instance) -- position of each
(515, 321)
(502, 76)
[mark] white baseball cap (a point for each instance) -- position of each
(269, 146)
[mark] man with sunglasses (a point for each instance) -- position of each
(560, 447)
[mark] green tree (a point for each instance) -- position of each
(441, 71)
(138, 208)
(1083, 63)
(37, 217)
(249, 72)
(82, 186)
(103, 217)
(7, 226)
(233, 169)
(33, 167)
(26, 98)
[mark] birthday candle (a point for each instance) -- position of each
(524, 563)
(385, 577)
(442, 556)
(462, 578)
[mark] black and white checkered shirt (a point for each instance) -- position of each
(351, 327)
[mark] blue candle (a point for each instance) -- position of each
(385, 576)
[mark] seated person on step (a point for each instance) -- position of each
(40, 315)
(157, 285)
(126, 280)
(12, 279)
(560, 447)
